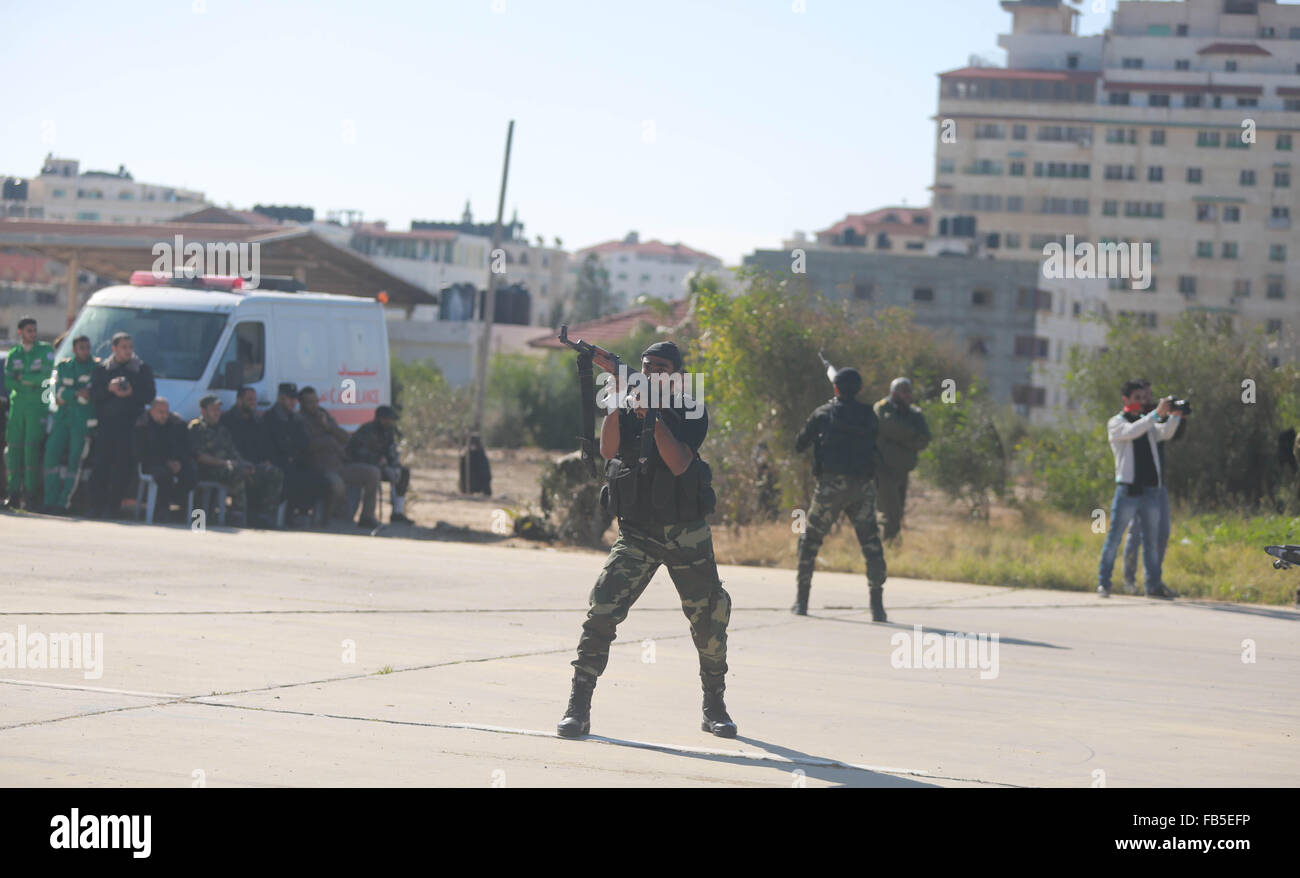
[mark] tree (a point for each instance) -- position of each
(592, 298)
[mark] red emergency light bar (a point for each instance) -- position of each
(202, 282)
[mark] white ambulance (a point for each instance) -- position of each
(207, 335)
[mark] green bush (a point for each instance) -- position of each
(966, 457)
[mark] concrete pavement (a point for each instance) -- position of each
(245, 658)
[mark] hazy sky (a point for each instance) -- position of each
(725, 125)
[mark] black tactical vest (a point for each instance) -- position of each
(655, 496)
(847, 443)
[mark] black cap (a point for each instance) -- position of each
(385, 411)
(849, 381)
(288, 388)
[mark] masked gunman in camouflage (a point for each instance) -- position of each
(255, 486)
(661, 507)
(27, 372)
(903, 435)
(843, 435)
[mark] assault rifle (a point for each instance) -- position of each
(587, 388)
(1286, 557)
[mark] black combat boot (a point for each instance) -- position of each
(800, 607)
(716, 720)
(577, 716)
(878, 604)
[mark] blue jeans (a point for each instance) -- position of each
(1124, 510)
(1135, 537)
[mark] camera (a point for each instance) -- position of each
(1181, 405)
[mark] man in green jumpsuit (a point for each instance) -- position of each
(74, 416)
(27, 372)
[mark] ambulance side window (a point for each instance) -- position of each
(244, 360)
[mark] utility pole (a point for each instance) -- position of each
(490, 300)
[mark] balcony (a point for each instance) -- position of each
(1279, 222)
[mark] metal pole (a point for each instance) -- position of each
(490, 300)
(74, 298)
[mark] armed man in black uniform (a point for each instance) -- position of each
(843, 435)
(661, 492)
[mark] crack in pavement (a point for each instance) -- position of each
(181, 699)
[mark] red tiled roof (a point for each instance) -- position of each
(615, 327)
(1233, 49)
(1013, 73)
(215, 214)
(874, 221)
(650, 248)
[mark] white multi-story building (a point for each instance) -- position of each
(63, 192)
(1176, 127)
(650, 268)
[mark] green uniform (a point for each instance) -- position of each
(70, 433)
(687, 550)
(263, 486)
(27, 373)
(903, 434)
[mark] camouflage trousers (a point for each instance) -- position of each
(687, 550)
(263, 486)
(857, 499)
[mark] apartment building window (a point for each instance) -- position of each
(1282, 179)
(1064, 133)
(1015, 204)
(1110, 208)
(1119, 99)
(1155, 174)
(1157, 99)
(1072, 61)
(1155, 252)
(1193, 100)
(1187, 284)
(1292, 104)
(993, 240)
(1158, 136)
(1019, 132)
(1231, 213)
(1031, 299)
(88, 216)
(1229, 250)
(1241, 288)
(1248, 178)
(1267, 33)
(882, 241)
(1216, 101)
(1273, 326)
(1012, 239)
(1071, 170)
(1059, 206)
(1145, 319)
(1145, 209)
(1230, 66)
(1120, 172)
(1207, 213)
(985, 167)
(1280, 218)
(1121, 135)
(981, 298)
(1277, 253)
(1234, 142)
(947, 166)
(1025, 394)
(1180, 30)
(922, 294)
(1131, 63)
(1294, 33)
(1208, 138)
(1284, 142)
(1031, 346)
(1274, 288)
(978, 347)
(622, 275)
(863, 291)
(1182, 64)
(1194, 175)
(1248, 102)
(990, 131)
(1204, 249)
(1016, 169)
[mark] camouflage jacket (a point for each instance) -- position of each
(903, 435)
(215, 441)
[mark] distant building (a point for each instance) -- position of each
(900, 230)
(63, 192)
(650, 268)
